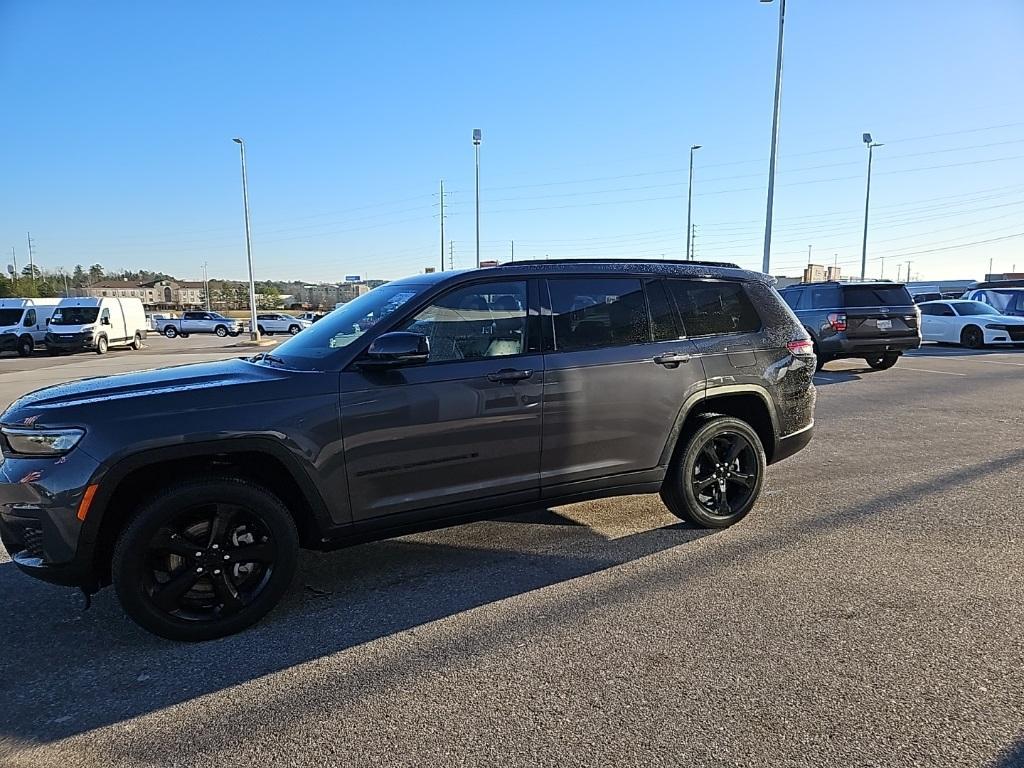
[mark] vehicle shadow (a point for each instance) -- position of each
(68, 671)
(825, 376)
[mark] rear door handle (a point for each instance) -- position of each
(672, 359)
(509, 374)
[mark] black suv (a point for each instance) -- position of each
(428, 400)
(875, 321)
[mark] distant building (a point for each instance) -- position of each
(155, 294)
(833, 273)
(814, 273)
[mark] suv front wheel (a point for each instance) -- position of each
(717, 476)
(205, 559)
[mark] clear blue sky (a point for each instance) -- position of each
(115, 146)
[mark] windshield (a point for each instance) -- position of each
(10, 316)
(74, 315)
(346, 324)
(876, 296)
(973, 308)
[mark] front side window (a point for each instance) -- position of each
(594, 312)
(710, 308)
(475, 322)
(30, 318)
(105, 317)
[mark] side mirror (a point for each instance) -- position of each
(105, 321)
(391, 350)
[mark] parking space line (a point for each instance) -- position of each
(927, 370)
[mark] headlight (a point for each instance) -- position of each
(996, 327)
(42, 442)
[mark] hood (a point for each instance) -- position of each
(1007, 319)
(181, 388)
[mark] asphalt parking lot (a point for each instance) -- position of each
(869, 612)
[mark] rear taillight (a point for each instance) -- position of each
(837, 321)
(801, 347)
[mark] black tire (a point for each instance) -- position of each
(137, 342)
(177, 541)
(221, 331)
(972, 337)
(820, 359)
(883, 362)
(25, 346)
(719, 493)
(293, 329)
(232, 334)
(102, 345)
(170, 331)
(183, 335)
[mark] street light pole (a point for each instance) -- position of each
(867, 199)
(254, 330)
(775, 140)
(477, 138)
(689, 206)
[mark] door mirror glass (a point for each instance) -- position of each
(390, 350)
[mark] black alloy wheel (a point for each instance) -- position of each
(882, 362)
(205, 559)
(716, 479)
(972, 337)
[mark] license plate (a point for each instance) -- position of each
(884, 325)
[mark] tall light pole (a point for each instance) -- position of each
(477, 138)
(689, 206)
(867, 199)
(206, 287)
(254, 330)
(775, 139)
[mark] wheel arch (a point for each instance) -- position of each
(140, 475)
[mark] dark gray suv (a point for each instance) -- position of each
(429, 400)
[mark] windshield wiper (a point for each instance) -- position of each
(267, 357)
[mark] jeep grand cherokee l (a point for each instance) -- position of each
(428, 400)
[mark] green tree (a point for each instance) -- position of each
(47, 287)
(6, 288)
(96, 273)
(31, 271)
(78, 278)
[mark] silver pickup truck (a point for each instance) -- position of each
(200, 322)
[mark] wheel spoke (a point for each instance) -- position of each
(734, 449)
(722, 503)
(231, 601)
(700, 485)
(741, 478)
(220, 524)
(169, 541)
(166, 598)
(254, 553)
(709, 452)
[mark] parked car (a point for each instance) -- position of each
(201, 322)
(930, 296)
(157, 318)
(970, 324)
(1006, 301)
(310, 317)
(424, 402)
(875, 321)
(90, 323)
(270, 323)
(23, 323)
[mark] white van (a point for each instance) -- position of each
(23, 323)
(97, 324)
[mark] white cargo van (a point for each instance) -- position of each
(96, 324)
(23, 323)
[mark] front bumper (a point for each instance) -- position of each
(1000, 336)
(39, 525)
(70, 341)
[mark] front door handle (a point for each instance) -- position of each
(672, 359)
(509, 374)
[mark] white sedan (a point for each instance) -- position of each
(969, 324)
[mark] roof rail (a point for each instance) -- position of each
(725, 264)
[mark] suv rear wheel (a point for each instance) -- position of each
(205, 559)
(882, 362)
(717, 476)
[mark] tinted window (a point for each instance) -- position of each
(821, 297)
(791, 297)
(973, 308)
(475, 322)
(74, 315)
(930, 309)
(10, 316)
(591, 312)
(876, 296)
(710, 308)
(30, 318)
(665, 324)
(193, 316)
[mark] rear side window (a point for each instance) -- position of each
(821, 297)
(791, 297)
(876, 296)
(594, 312)
(664, 318)
(711, 308)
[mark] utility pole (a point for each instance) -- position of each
(908, 271)
(689, 203)
(989, 275)
(775, 140)
(451, 254)
(477, 138)
(206, 287)
(31, 263)
(882, 269)
(808, 255)
(14, 274)
(254, 330)
(693, 240)
(441, 199)
(513, 249)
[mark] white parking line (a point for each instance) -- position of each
(926, 370)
